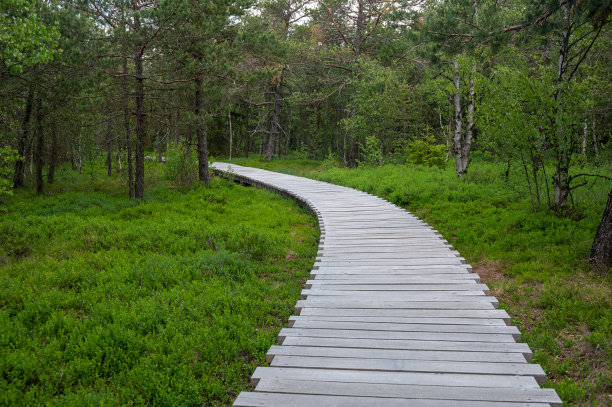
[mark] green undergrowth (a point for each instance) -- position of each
(535, 263)
(170, 302)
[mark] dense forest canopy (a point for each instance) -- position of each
(366, 81)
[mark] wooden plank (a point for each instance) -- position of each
(443, 345)
(394, 354)
(411, 392)
(261, 399)
(408, 279)
(417, 261)
(399, 320)
(378, 377)
(407, 295)
(399, 365)
(406, 255)
(382, 326)
(408, 313)
(423, 269)
(387, 335)
(400, 286)
(343, 302)
(390, 272)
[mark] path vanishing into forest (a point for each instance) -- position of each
(392, 316)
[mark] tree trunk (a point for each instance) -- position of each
(126, 126)
(595, 139)
(359, 28)
(231, 134)
(109, 148)
(561, 186)
(601, 251)
(140, 124)
(203, 172)
(458, 135)
(38, 156)
(584, 138)
(53, 152)
(344, 160)
(21, 146)
(352, 153)
(119, 168)
(79, 161)
(275, 126)
(469, 131)
(246, 133)
(31, 148)
(158, 145)
(564, 147)
(288, 138)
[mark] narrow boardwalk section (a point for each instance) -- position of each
(391, 316)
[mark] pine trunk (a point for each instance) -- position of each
(38, 153)
(601, 251)
(458, 135)
(21, 146)
(275, 125)
(140, 124)
(246, 133)
(109, 148)
(564, 147)
(203, 172)
(126, 126)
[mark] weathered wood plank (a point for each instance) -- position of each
(475, 393)
(394, 354)
(386, 335)
(400, 286)
(398, 320)
(407, 295)
(424, 379)
(399, 365)
(400, 279)
(410, 344)
(341, 302)
(260, 399)
(408, 313)
(382, 326)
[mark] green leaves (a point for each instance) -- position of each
(24, 39)
(8, 156)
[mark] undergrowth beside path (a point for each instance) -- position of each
(170, 302)
(534, 263)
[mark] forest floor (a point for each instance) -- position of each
(173, 301)
(534, 263)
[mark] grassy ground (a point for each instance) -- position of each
(170, 302)
(534, 263)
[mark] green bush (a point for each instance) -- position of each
(330, 161)
(181, 166)
(8, 156)
(425, 151)
(372, 155)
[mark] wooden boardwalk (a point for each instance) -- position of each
(392, 316)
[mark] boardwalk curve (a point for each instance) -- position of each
(392, 316)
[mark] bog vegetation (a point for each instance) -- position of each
(489, 118)
(173, 301)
